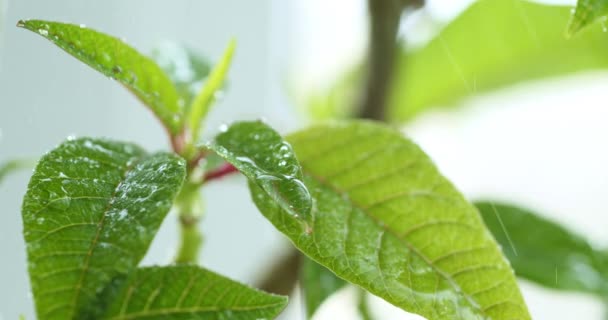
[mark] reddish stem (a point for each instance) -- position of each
(223, 170)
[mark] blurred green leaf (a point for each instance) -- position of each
(186, 69)
(205, 98)
(186, 292)
(587, 12)
(318, 283)
(542, 251)
(262, 155)
(491, 45)
(117, 60)
(11, 166)
(385, 219)
(90, 212)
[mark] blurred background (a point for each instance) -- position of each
(507, 107)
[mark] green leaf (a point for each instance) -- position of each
(317, 284)
(90, 212)
(186, 292)
(203, 101)
(186, 68)
(262, 155)
(385, 219)
(11, 166)
(117, 60)
(493, 44)
(587, 12)
(545, 252)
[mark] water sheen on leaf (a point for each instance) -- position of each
(385, 219)
(117, 60)
(261, 154)
(586, 13)
(542, 251)
(186, 292)
(90, 212)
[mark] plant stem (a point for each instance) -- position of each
(190, 209)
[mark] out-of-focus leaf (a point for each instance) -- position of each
(186, 292)
(203, 100)
(261, 154)
(117, 60)
(491, 45)
(318, 284)
(587, 12)
(11, 166)
(545, 252)
(187, 69)
(386, 220)
(90, 212)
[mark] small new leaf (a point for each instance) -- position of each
(386, 220)
(185, 67)
(117, 60)
(586, 13)
(262, 155)
(186, 292)
(90, 212)
(542, 251)
(203, 101)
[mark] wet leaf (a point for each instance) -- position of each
(386, 220)
(187, 292)
(186, 68)
(586, 13)
(262, 155)
(205, 98)
(317, 284)
(542, 251)
(90, 212)
(116, 59)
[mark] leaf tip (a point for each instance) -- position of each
(21, 23)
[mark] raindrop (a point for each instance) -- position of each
(223, 127)
(43, 32)
(116, 69)
(82, 26)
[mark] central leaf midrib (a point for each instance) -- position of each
(324, 182)
(85, 266)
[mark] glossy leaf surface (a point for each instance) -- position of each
(186, 292)
(317, 284)
(117, 60)
(186, 69)
(385, 219)
(586, 13)
(90, 212)
(545, 252)
(262, 155)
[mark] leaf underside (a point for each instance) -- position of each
(544, 252)
(186, 292)
(91, 210)
(262, 155)
(385, 219)
(116, 59)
